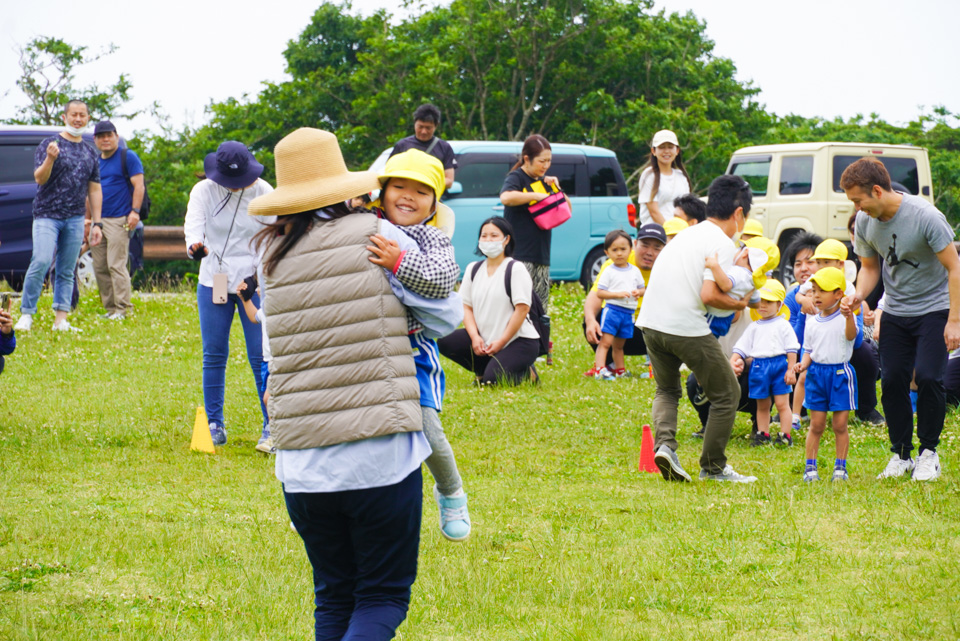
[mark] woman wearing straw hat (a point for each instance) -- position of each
(218, 232)
(663, 179)
(344, 397)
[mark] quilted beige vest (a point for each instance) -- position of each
(342, 368)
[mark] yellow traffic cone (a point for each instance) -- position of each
(201, 441)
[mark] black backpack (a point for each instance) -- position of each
(145, 205)
(537, 316)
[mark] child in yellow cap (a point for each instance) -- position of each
(771, 345)
(753, 228)
(829, 339)
(673, 226)
(411, 184)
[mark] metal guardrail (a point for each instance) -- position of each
(164, 243)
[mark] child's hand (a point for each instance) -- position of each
(386, 253)
(799, 368)
(713, 261)
(637, 293)
(736, 362)
(241, 288)
(790, 378)
(846, 312)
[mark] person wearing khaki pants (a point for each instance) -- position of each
(122, 197)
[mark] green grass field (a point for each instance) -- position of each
(111, 528)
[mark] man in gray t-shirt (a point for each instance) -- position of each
(909, 240)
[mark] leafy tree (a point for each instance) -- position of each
(47, 68)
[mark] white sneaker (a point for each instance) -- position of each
(897, 467)
(24, 324)
(65, 326)
(116, 316)
(928, 466)
(728, 474)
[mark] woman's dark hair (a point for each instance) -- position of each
(804, 240)
(726, 193)
(692, 206)
(613, 235)
(533, 146)
(302, 223)
(655, 167)
(505, 228)
(851, 222)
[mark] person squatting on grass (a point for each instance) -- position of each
(675, 329)
(771, 346)
(620, 285)
(498, 343)
(829, 339)
(218, 232)
(343, 390)
(911, 242)
(411, 185)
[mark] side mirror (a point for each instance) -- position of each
(455, 188)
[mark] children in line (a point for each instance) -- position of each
(621, 284)
(772, 347)
(829, 339)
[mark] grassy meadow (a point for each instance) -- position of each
(111, 528)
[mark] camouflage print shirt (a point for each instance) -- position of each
(65, 193)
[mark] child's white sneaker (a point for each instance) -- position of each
(928, 466)
(24, 324)
(65, 326)
(897, 467)
(605, 375)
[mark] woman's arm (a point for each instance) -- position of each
(517, 198)
(653, 207)
(513, 326)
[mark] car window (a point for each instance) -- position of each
(16, 164)
(796, 175)
(902, 170)
(755, 170)
(480, 179)
(605, 177)
(567, 175)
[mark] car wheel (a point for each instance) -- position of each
(591, 267)
(86, 279)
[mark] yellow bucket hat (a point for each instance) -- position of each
(674, 226)
(772, 252)
(772, 290)
(416, 165)
(831, 249)
(830, 279)
(752, 227)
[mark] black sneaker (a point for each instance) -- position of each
(775, 420)
(760, 439)
(784, 440)
(873, 418)
(699, 398)
(698, 433)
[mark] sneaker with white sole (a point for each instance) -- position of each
(454, 517)
(218, 434)
(24, 324)
(669, 464)
(928, 466)
(603, 374)
(810, 475)
(265, 443)
(728, 474)
(896, 467)
(65, 326)
(840, 474)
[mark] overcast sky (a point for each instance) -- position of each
(815, 58)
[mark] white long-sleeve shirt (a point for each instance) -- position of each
(210, 213)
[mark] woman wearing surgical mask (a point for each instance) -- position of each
(498, 343)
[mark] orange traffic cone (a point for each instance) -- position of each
(646, 452)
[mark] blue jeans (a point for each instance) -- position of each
(363, 546)
(52, 238)
(215, 322)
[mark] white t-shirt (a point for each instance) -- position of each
(262, 319)
(492, 308)
(672, 301)
(825, 339)
(621, 279)
(767, 338)
(676, 184)
(742, 280)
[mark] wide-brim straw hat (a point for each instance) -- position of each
(311, 174)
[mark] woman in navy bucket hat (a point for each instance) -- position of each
(218, 231)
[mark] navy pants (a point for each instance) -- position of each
(363, 546)
(908, 343)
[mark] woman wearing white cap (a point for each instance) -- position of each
(663, 179)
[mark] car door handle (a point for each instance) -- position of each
(497, 208)
(4, 192)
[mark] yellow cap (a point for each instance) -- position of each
(673, 226)
(752, 227)
(831, 249)
(416, 165)
(773, 258)
(773, 290)
(830, 279)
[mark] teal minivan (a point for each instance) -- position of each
(590, 176)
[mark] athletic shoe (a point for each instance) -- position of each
(622, 373)
(873, 418)
(669, 464)
(65, 326)
(796, 425)
(454, 517)
(293, 527)
(760, 439)
(592, 372)
(698, 433)
(728, 474)
(784, 440)
(775, 420)
(928, 466)
(840, 474)
(116, 316)
(699, 398)
(24, 324)
(810, 475)
(605, 375)
(896, 467)
(218, 434)
(265, 443)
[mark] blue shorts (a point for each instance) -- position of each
(264, 375)
(720, 325)
(616, 321)
(766, 377)
(430, 376)
(830, 388)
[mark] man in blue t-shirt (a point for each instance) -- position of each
(426, 119)
(122, 197)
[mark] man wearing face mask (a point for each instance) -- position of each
(675, 330)
(67, 171)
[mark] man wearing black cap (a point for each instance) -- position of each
(122, 197)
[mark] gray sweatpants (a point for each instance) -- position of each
(441, 463)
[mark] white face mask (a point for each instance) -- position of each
(491, 248)
(73, 131)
